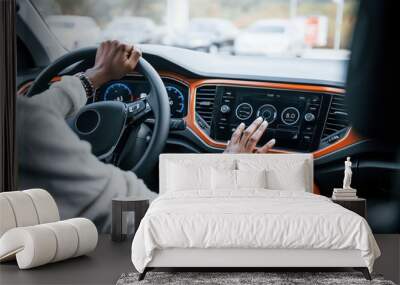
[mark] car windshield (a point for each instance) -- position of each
(306, 28)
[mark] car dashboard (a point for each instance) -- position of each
(302, 118)
(302, 100)
(132, 88)
(294, 117)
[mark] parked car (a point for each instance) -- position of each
(270, 37)
(75, 31)
(206, 34)
(131, 30)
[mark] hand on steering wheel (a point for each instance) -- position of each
(113, 61)
(104, 124)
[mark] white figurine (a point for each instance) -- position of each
(347, 174)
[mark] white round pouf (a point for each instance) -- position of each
(46, 207)
(33, 246)
(23, 208)
(87, 233)
(7, 218)
(67, 240)
(41, 244)
(31, 232)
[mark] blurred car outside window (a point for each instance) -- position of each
(275, 28)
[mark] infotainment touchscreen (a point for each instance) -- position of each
(291, 115)
(276, 107)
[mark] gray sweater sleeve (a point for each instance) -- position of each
(52, 157)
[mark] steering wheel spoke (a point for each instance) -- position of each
(138, 110)
(103, 124)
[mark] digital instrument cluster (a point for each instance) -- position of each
(294, 117)
(131, 89)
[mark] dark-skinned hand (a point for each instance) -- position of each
(245, 140)
(113, 61)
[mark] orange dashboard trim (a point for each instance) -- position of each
(289, 86)
(349, 139)
(25, 87)
(316, 189)
(193, 84)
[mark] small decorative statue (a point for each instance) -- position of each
(347, 174)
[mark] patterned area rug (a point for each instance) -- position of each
(244, 278)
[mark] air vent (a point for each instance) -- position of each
(338, 117)
(205, 97)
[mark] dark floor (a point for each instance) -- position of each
(389, 263)
(110, 260)
(103, 266)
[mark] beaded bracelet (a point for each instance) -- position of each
(87, 84)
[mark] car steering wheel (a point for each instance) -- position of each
(103, 124)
